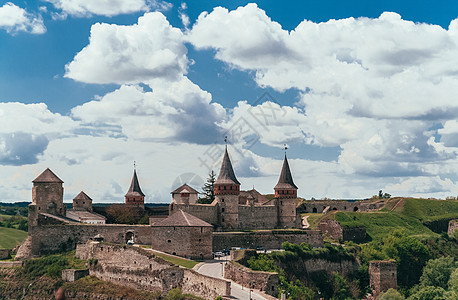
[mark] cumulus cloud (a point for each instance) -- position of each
(178, 111)
(15, 19)
(25, 131)
(21, 148)
(373, 87)
(87, 8)
(119, 54)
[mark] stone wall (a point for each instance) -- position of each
(383, 276)
(141, 269)
(72, 274)
(186, 241)
(52, 238)
(452, 226)
(266, 282)
(258, 217)
(333, 229)
(205, 212)
(270, 239)
(317, 206)
(5, 253)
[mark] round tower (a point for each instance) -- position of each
(227, 191)
(286, 195)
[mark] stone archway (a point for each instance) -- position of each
(314, 210)
(129, 236)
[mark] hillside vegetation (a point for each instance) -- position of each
(10, 237)
(413, 215)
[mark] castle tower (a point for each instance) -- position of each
(286, 194)
(82, 202)
(47, 196)
(135, 196)
(227, 190)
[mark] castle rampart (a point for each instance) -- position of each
(141, 269)
(270, 239)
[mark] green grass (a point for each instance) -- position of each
(410, 215)
(10, 237)
(176, 260)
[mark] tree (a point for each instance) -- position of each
(453, 282)
(410, 255)
(208, 189)
(437, 272)
(391, 294)
(429, 293)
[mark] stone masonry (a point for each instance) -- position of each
(141, 269)
(383, 276)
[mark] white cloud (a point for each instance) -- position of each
(87, 8)
(177, 110)
(374, 87)
(119, 54)
(15, 19)
(25, 131)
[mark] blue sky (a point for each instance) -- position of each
(362, 92)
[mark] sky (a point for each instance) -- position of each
(364, 94)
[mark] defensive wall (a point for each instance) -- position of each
(452, 226)
(318, 206)
(205, 212)
(187, 241)
(141, 269)
(270, 239)
(47, 239)
(258, 217)
(335, 230)
(266, 282)
(383, 276)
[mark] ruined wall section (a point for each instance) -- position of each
(383, 276)
(141, 269)
(266, 282)
(333, 229)
(452, 226)
(52, 238)
(270, 239)
(257, 217)
(317, 206)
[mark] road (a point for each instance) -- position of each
(214, 268)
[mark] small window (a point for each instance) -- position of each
(224, 187)
(222, 199)
(169, 241)
(222, 209)
(84, 202)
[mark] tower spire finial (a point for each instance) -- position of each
(225, 140)
(285, 148)
(135, 165)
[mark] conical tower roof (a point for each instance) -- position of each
(286, 180)
(47, 176)
(135, 189)
(226, 174)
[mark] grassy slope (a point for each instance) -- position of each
(10, 237)
(176, 260)
(399, 213)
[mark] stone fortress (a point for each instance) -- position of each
(236, 218)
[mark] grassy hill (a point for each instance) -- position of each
(10, 237)
(411, 214)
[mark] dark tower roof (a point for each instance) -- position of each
(286, 180)
(82, 196)
(226, 174)
(47, 176)
(135, 189)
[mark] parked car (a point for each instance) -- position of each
(219, 254)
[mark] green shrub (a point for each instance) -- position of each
(175, 294)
